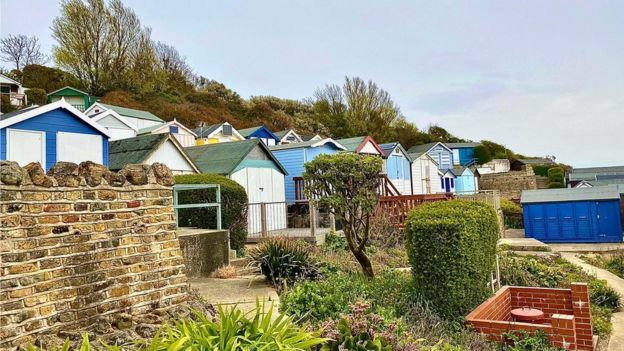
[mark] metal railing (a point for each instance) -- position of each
(294, 220)
(187, 187)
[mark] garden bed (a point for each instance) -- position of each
(612, 262)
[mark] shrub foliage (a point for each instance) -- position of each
(452, 249)
(347, 184)
(284, 261)
(36, 96)
(233, 206)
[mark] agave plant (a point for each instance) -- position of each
(234, 330)
(284, 261)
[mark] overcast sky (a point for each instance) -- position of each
(541, 77)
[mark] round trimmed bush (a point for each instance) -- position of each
(37, 96)
(233, 206)
(452, 248)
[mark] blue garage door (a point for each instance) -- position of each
(581, 221)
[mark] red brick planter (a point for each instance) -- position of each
(567, 316)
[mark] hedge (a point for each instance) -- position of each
(556, 175)
(452, 248)
(233, 206)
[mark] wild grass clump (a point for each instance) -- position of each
(283, 261)
(225, 272)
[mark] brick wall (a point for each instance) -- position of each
(510, 184)
(567, 315)
(82, 242)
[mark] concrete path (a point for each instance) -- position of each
(241, 291)
(616, 342)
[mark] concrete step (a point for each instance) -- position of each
(524, 244)
(239, 262)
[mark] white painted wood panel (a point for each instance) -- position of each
(77, 147)
(263, 185)
(169, 155)
(186, 140)
(369, 149)
(25, 146)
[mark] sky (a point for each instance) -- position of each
(541, 77)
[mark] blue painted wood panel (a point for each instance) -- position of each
(578, 221)
(293, 161)
(52, 122)
(466, 156)
(442, 156)
(466, 183)
(262, 133)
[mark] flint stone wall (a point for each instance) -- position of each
(510, 184)
(82, 242)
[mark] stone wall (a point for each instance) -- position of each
(82, 242)
(510, 184)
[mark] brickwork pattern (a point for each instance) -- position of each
(567, 315)
(72, 253)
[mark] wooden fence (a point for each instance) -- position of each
(396, 208)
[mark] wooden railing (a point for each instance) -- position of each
(396, 208)
(299, 187)
(386, 187)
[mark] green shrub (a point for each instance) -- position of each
(601, 320)
(358, 331)
(614, 263)
(235, 330)
(233, 206)
(482, 155)
(390, 294)
(556, 175)
(37, 96)
(601, 294)
(5, 104)
(525, 341)
(284, 261)
(510, 207)
(542, 170)
(555, 185)
(335, 242)
(452, 249)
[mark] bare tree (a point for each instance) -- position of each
(21, 50)
(172, 61)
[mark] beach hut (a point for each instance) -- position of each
(293, 157)
(397, 165)
(149, 148)
(255, 168)
(425, 175)
(51, 133)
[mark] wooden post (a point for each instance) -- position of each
(312, 219)
(263, 220)
(332, 222)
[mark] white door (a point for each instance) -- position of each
(25, 146)
(76, 147)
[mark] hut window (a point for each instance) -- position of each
(227, 130)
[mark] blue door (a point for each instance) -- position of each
(447, 185)
(582, 221)
(608, 219)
